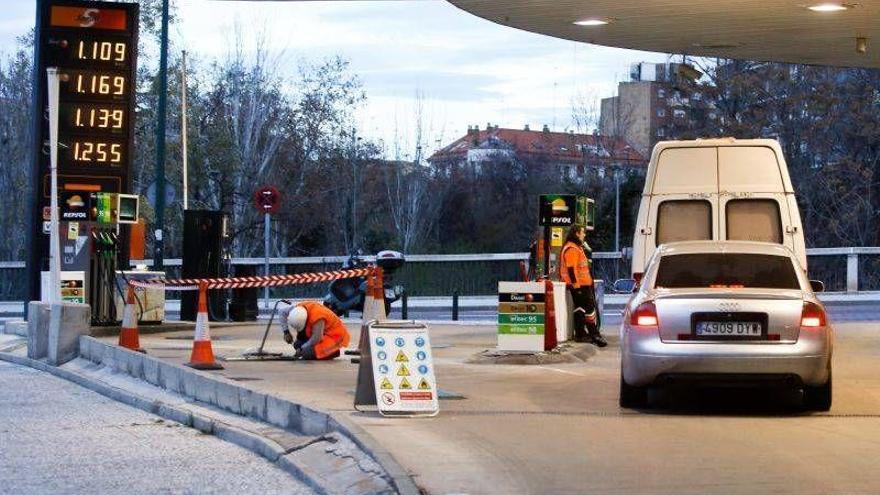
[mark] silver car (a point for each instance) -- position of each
(722, 312)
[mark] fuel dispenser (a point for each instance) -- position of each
(93, 246)
(558, 212)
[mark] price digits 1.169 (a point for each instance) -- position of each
(98, 84)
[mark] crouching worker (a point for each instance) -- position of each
(320, 334)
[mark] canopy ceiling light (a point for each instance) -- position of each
(593, 21)
(830, 7)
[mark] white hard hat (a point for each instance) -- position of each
(296, 320)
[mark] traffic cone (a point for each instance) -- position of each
(128, 335)
(202, 357)
(374, 299)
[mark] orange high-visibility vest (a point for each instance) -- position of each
(335, 334)
(573, 256)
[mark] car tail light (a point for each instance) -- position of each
(637, 276)
(812, 316)
(645, 315)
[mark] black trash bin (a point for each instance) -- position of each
(243, 305)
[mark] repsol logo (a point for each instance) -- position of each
(561, 221)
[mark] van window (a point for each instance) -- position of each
(684, 220)
(753, 220)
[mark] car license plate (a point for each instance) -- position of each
(729, 329)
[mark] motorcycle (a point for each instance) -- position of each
(348, 294)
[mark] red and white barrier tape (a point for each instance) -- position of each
(251, 282)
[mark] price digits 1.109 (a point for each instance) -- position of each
(107, 51)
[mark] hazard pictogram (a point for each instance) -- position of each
(403, 371)
(386, 384)
(404, 384)
(401, 357)
(424, 385)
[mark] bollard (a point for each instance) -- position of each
(404, 309)
(455, 305)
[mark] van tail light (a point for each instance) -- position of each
(645, 315)
(813, 315)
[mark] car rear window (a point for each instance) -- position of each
(734, 270)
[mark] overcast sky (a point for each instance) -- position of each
(470, 71)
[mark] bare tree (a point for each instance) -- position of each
(412, 209)
(15, 139)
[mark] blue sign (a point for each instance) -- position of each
(382, 355)
(421, 356)
(422, 369)
(383, 368)
(420, 342)
(400, 342)
(380, 342)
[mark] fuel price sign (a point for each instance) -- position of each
(94, 47)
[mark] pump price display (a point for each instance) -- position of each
(79, 117)
(96, 153)
(95, 84)
(96, 51)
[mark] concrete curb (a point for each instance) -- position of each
(204, 388)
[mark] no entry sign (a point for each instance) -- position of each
(267, 199)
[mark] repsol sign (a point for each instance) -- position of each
(558, 209)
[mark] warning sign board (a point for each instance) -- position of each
(403, 368)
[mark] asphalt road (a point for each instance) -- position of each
(557, 428)
(56, 437)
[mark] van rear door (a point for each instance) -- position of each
(684, 200)
(752, 197)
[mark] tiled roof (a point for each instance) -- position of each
(561, 146)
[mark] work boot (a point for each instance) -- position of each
(599, 341)
(582, 339)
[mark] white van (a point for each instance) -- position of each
(721, 189)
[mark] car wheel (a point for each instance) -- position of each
(818, 398)
(632, 397)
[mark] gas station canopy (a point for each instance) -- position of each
(798, 31)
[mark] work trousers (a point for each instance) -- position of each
(584, 311)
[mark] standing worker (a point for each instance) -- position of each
(574, 270)
(320, 334)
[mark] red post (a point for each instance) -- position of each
(549, 317)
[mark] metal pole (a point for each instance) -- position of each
(355, 193)
(159, 246)
(35, 179)
(183, 128)
(54, 248)
(616, 210)
(455, 305)
(616, 218)
(266, 252)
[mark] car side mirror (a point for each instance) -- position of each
(817, 285)
(625, 285)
